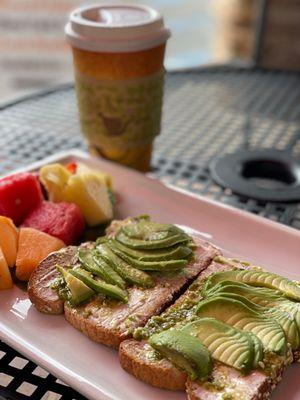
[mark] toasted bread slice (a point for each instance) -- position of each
(111, 322)
(138, 357)
(44, 298)
(140, 360)
(254, 386)
(108, 321)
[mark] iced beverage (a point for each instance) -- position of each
(118, 54)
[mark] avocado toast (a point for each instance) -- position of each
(182, 316)
(109, 288)
(225, 316)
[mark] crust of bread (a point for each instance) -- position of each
(139, 360)
(44, 298)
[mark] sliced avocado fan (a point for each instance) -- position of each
(184, 351)
(113, 264)
(237, 314)
(284, 319)
(274, 305)
(123, 268)
(226, 344)
(159, 265)
(287, 287)
(144, 234)
(171, 253)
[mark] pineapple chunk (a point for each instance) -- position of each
(5, 277)
(87, 188)
(84, 169)
(55, 177)
(91, 195)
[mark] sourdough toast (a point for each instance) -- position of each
(139, 358)
(108, 321)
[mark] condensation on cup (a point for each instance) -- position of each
(118, 53)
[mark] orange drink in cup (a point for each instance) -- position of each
(118, 53)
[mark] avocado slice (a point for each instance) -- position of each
(127, 272)
(226, 344)
(99, 286)
(147, 244)
(184, 351)
(273, 304)
(251, 292)
(160, 266)
(80, 292)
(92, 262)
(258, 349)
(285, 320)
(258, 295)
(144, 229)
(237, 314)
(171, 253)
(258, 278)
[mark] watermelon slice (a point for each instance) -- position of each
(19, 194)
(62, 220)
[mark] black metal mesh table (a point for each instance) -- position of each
(206, 113)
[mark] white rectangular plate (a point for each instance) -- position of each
(94, 369)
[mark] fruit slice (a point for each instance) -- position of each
(92, 262)
(8, 240)
(62, 220)
(287, 287)
(79, 291)
(99, 286)
(126, 271)
(259, 295)
(165, 265)
(237, 314)
(5, 277)
(172, 253)
(19, 194)
(273, 302)
(285, 320)
(184, 351)
(258, 349)
(71, 167)
(143, 234)
(147, 244)
(225, 343)
(33, 247)
(83, 169)
(54, 177)
(144, 229)
(92, 197)
(87, 188)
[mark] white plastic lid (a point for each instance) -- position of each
(116, 28)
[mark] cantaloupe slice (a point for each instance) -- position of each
(8, 240)
(5, 277)
(33, 247)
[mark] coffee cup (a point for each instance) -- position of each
(118, 54)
